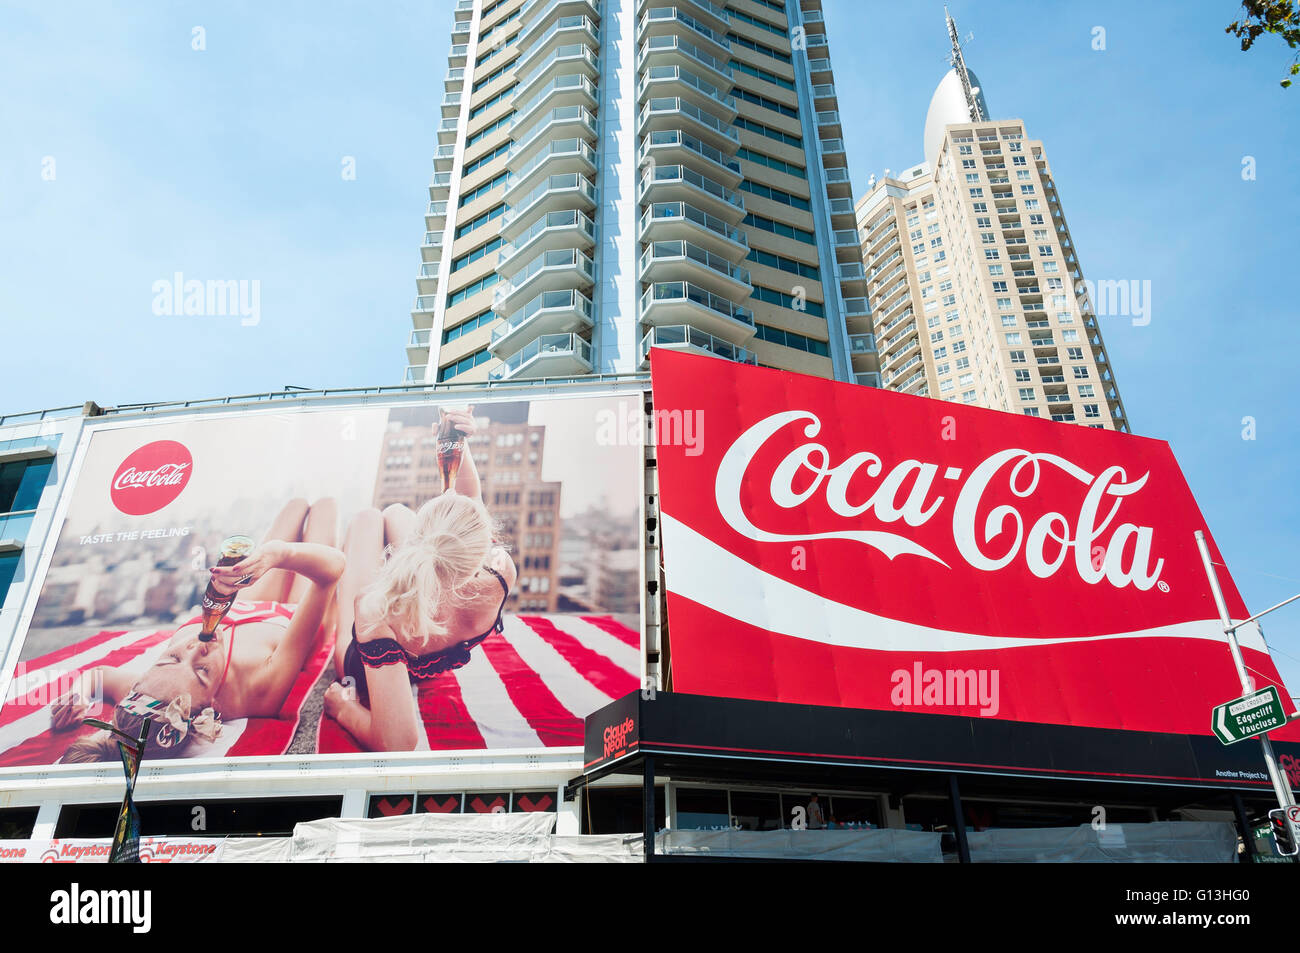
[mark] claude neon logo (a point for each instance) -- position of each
(151, 477)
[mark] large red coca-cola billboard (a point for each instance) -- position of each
(831, 544)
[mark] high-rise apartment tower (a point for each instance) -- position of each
(614, 175)
(975, 288)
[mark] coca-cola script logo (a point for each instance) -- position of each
(151, 477)
(1089, 539)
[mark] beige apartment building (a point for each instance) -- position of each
(617, 175)
(975, 289)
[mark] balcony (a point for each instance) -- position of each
(416, 374)
(674, 147)
(551, 195)
(871, 379)
(440, 185)
(837, 182)
(569, 89)
(448, 129)
(677, 51)
(661, 183)
(551, 355)
(455, 80)
(539, 15)
(683, 337)
(435, 216)
(550, 271)
(566, 31)
(820, 69)
(431, 246)
(668, 81)
(417, 346)
(828, 124)
(444, 157)
(832, 153)
(567, 122)
(456, 55)
(560, 157)
(673, 21)
(705, 11)
(856, 308)
(677, 221)
(553, 312)
(663, 261)
(670, 113)
(426, 281)
(679, 302)
(566, 60)
(564, 229)
(451, 105)
(862, 344)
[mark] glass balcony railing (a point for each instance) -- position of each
(419, 337)
(679, 335)
(560, 258)
(671, 251)
(555, 183)
(568, 299)
(559, 147)
(673, 104)
(679, 173)
(547, 344)
(565, 114)
(569, 218)
(577, 23)
(429, 269)
(416, 374)
(663, 14)
(571, 82)
(680, 210)
(675, 137)
(662, 44)
(572, 53)
(677, 74)
(685, 291)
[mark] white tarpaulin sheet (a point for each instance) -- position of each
(1157, 842)
(918, 847)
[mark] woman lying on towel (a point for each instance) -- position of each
(421, 590)
(286, 586)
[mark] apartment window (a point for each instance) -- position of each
(936, 336)
(932, 321)
(1080, 373)
(932, 229)
(1031, 204)
(1014, 338)
(1017, 357)
(966, 380)
(969, 164)
(951, 316)
(1008, 320)
(1004, 304)
(1024, 174)
(1014, 146)
(1074, 353)
(21, 483)
(1026, 393)
(1022, 375)
(1045, 250)
(1086, 390)
(940, 352)
(915, 235)
(1091, 410)
(942, 369)
(968, 397)
(936, 243)
(999, 286)
(983, 222)
(945, 285)
(962, 363)
(995, 270)
(1070, 335)
(972, 177)
(1050, 266)
(1065, 317)
(977, 193)
(964, 150)
(988, 238)
(959, 347)
(1035, 220)
(1030, 411)
(1018, 160)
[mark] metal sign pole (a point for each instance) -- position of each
(1280, 786)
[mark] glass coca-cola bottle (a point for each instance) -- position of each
(216, 600)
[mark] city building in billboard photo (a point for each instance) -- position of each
(974, 284)
(614, 176)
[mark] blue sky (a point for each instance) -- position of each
(225, 163)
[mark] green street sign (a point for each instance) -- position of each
(1248, 716)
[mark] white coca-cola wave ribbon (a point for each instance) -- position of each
(700, 570)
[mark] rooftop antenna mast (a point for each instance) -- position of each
(959, 65)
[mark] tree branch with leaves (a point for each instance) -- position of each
(1281, 17)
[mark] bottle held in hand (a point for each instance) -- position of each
(216, 601)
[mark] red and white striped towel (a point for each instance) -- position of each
(530, 686)
(26, 737)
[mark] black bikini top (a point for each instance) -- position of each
(380, 652)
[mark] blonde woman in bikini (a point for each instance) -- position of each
(422, 589)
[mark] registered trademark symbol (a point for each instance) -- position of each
(1162, 586)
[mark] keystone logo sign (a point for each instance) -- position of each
(822, 536)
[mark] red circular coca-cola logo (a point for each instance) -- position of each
(151, 477)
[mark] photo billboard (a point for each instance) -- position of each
(831, 544)
(391, 601)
